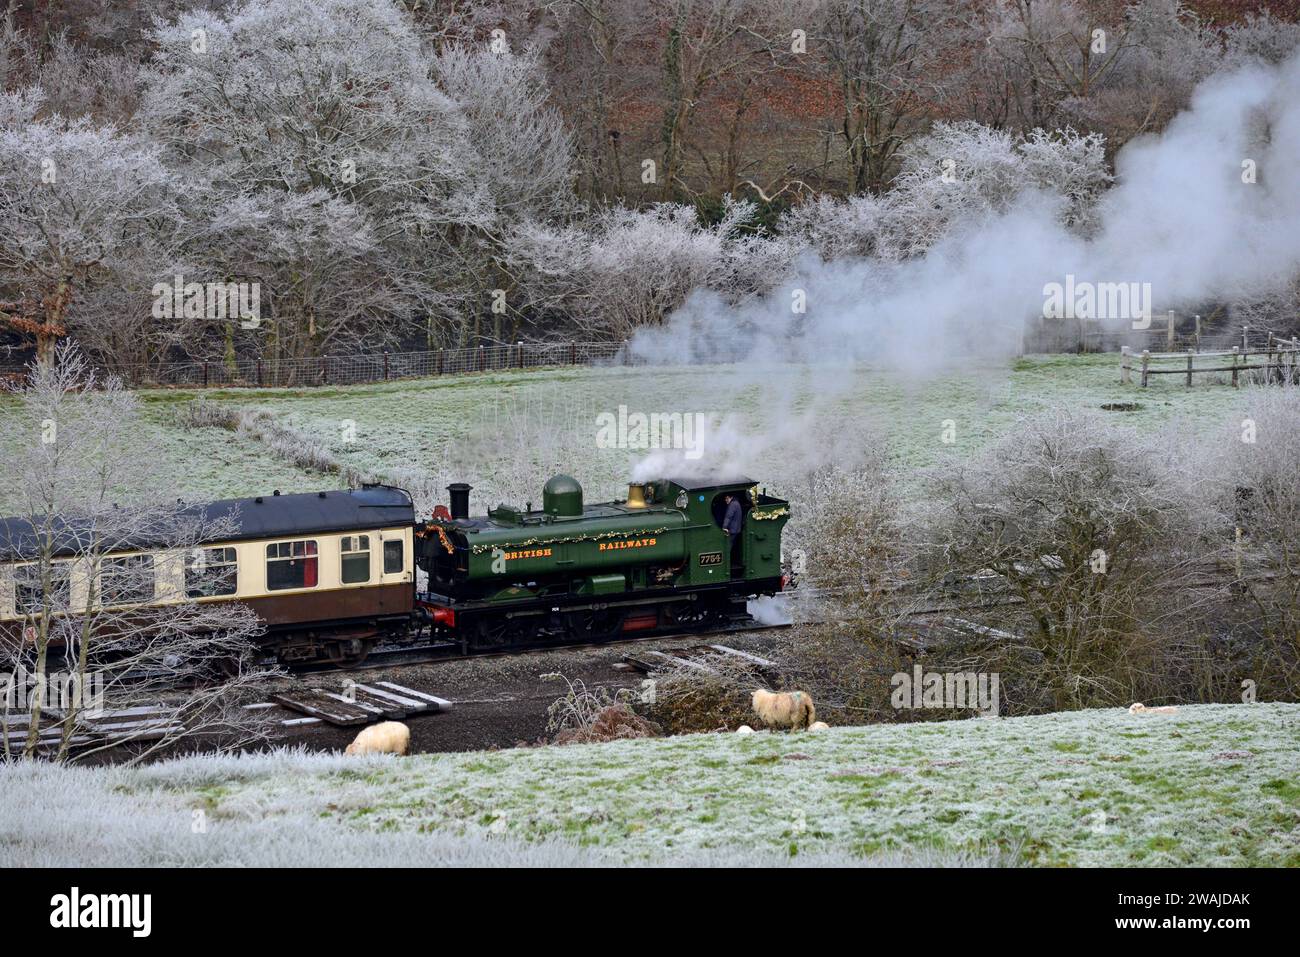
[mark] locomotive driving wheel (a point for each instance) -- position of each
(502, 633)
(594, 624)
(693, 614)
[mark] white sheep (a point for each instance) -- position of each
(388, 737)
(744, 729)
(784, 709)
(1139, 708)
(819, 726)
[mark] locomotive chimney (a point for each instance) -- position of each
(459, 493)
(636, 495)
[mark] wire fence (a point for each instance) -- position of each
(1156, 339)
(375, 367)
(385, 366)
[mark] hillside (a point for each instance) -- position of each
(1214, 785)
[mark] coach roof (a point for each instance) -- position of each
(267, 516)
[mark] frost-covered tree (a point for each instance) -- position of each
(892, 60)
(90, 216)
(856, 226)
(1095, 533)
(961, 173)
(1257, 468)
(321, 117)
(524, 168)
(95, 545)
(956, 175)
(627, 269)
(1260, 37)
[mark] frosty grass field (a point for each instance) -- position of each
(1213, 785)
(539, 422)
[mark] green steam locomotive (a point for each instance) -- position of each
(657, 561)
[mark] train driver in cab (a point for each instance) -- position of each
(732, 520)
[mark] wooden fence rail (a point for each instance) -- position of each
(1281, 356)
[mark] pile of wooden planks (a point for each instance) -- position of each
(111, 726)
(358, 704)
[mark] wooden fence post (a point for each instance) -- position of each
(573, 353)
(1189, 368)
(259, 371)
(439, 362)
(1235, 351)
(1245, 345)
(482, 359)
(385, 365)
(1198, 332)
(1125, 373)
(519, 352)
(1146, 363)
(205, 373)
(1169, 331)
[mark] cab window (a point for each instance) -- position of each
(291, 565)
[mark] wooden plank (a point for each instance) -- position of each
(982, 630)
(259, 707)
(675, 660)
(357, 702)
(96, 719)
(442, 704)
(295, 722)
(639, 664)
(391, 710)
(405, 701)
(753, 659)
(139, 711)
(318, 706)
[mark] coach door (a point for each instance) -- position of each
(395, 556)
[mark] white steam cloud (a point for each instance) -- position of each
(1180, 217)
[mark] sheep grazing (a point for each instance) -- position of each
(819, 726)
(784, 709)
(1139, 708)
(744, 729)
(388, 737)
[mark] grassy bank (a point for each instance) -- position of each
(1213, 785)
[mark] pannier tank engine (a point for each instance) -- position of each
(572, 572)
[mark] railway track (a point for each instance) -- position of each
(394, 657)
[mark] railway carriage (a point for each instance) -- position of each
(328, 572)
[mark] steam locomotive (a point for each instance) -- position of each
(334, 574)
(657, 560)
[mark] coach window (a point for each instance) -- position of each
(211, 572)
(356, 559)
(126, 580)
(29, 597)
(394, 560)
(291, 565)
